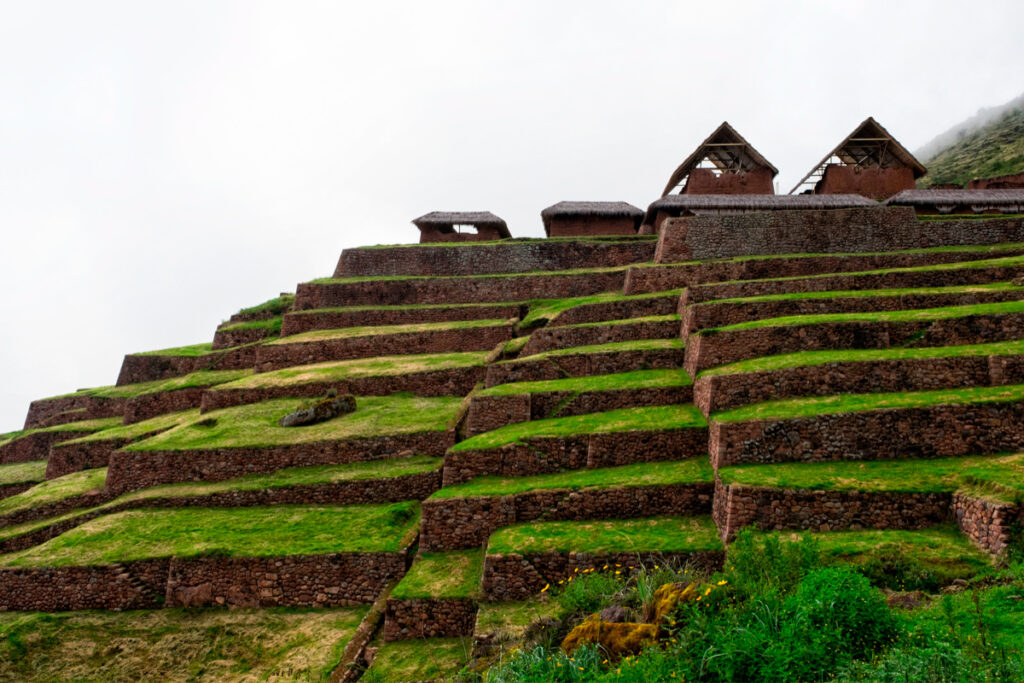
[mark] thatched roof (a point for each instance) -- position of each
(605, 209)
(679, 204)
(870, 145)
(726, 150)
(949, 200)
(445, 221)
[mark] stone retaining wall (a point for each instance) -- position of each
(34, 446)
(737, 506)
(831, 283)
(518, 577)
(131, 470)
(226, 338)
(461, 290)
(487, 413)
(139, 408)
(551, 338)
(8, 490)
(711, 348)
(538, 455)
(81, 456)
(890, 434)
(508, 257)
(660, 278)
(457, 523)
(132, 585)
(48, 412)
(295, 323)
(276, 356)
(450, 382)
(713, 393)
(138, 368)
(822, 232)
(988, 523)
(406, 619)
(583, 365)
(617, 310)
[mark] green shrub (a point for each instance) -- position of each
(764, 564)
(542, 664)
(589, 593)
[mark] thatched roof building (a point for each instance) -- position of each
(575, 219)
(676, 205)
(960, 201)
(461, 226)
(869, 161)
(725, 163)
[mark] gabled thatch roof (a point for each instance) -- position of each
(445, 221)
(1005, 199)
(608, 209)
(870, 145)
(681, 203)
(727, 151)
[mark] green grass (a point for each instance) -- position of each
(626, 419)
(850, 403)
(380, 330)
(201, 378)
(276, 644)
(807, 358)
(137, 430)
(272, 325)
(513, 618)
(340, 371)
(22, 472)
(870, 293)
(225, 532)
(274, 307)
(674, 317)
(81, 426)
(546, 273)
(691, 471)
(53, 490)
(419, 660)
(514, 346)
(544, 310)
(999, 477)
(638, 379)
(255, 425)
(994, 149)
(443, 575)
(405, 307)
(613, 347)
(915, 315)
(189, 351)
(654, 534)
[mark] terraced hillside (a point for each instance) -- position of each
(528, 411)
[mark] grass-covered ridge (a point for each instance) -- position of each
(869, 293)
(81, 426)
(137, 430)
(381, 330)
(638, 379)
(229, 532)
(849, 403)
(996, 148)
(191, 351)
(271, 308)
(999, 477)
(271, 325)
(340, 371)
(442, 575)
(809, 358)
(255, 425)
(690, 471)
(542, 310)
(22, 472)
(626, 419)
(914, 315)
(200, 378)
(53, 490)
(430, 659)
(654, 534)
(672, 317)
(612, 347)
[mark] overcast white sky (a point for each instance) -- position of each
(165, 164)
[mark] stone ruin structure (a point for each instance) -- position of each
(461, 226)
(955, 201)
(725, 163)
(579, 219)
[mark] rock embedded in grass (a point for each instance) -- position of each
(321, 411)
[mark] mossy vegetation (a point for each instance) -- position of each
(419, 660)
(226, 532)
(612, 347)
(849, 403)
(649, 418)
(542, 311)
(191, 351)
(255, 425)
(80, 426)
(241, 645)
(272, 326)
(638, 379)
(200, 378)
(22, 472)
(270, 308)
(453, 574)
(690, 471)
(653, 534)
(137, 430)
(381, 330)
(53, 490)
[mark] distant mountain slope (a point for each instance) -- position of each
(980, 147)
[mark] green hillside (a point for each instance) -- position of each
(994, 149)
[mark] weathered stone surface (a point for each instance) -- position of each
(583, 365)
(986, 522)
(321, 411)
(304, 321)
(406, 619)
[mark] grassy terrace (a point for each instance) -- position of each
(137, 430)
(272, 307)
(692, 471)
(339, 371)
(272, 325)
(871, 293)
(443, 575)
(22, 472)
(808, 358)
(542, 310)
(850, 403)
(52, 490)
(201, 378)
(654, 534)
(255, 425)
(915, 315)
(627, 321)
(374, 331)
(546, 273)
(190, 351)
(613, 347)
(624, 420)
(82, 426)
(427, 659)
(406, 307)
(638, 379)
(226, 532)
(998, 477)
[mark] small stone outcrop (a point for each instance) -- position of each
(321, 411)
